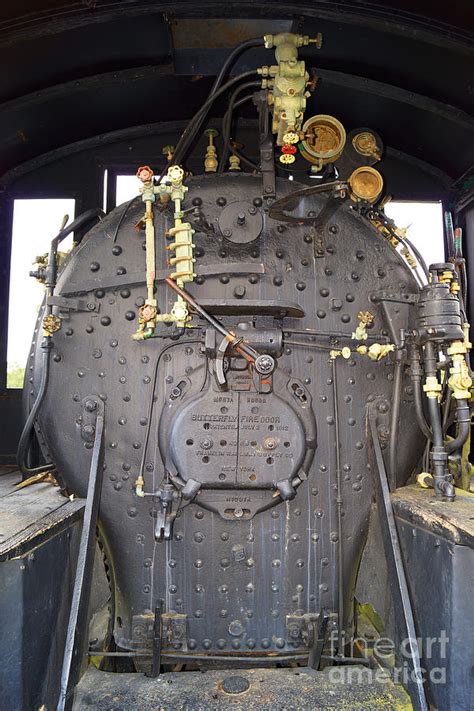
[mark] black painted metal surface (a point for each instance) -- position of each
(438, 552)
(39, 539)
(240, 560)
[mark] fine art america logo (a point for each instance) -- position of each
(431, 650)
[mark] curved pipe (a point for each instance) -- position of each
(46, 346)
(463, 419)
(24, 443)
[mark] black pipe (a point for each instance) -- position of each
(24, 443)
(196, 121)
(247, 44)
(463, 418)
(52, 268)
(395, 416)
(227, 121)
(46, 346)
(443, 486)
(416, 375)
(339, 502)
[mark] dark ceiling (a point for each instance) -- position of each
(73, 71)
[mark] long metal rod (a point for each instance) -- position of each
(394, 556)
(340, 566)
(82, 584)
(239, 345)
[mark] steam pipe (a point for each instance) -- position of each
(47, 344)
(442, 485)
(416, 374)
(463, 419)
(395, 415)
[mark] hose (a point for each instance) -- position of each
(463, 419)
(196, 121)
(47, 345)
(416, 375)
(24, 443)
(227, 121)
(247, 44)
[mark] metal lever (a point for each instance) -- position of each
(78, 620)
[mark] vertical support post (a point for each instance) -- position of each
(393, 554)
(320, 637)
(77, 627)
(157, 633)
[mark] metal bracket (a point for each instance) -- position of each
(397, 298)
(310, 630)
(67, 304)
(174, 630)
(157, 637)
(267, 153)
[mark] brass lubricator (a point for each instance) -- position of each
(288, 82)
(182, 246)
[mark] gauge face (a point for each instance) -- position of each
(365, 143)
(324, 139)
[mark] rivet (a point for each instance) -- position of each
(125, 293)
(116, 250)
(105, 321)
(95, 266)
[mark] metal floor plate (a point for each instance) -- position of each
(273, 689)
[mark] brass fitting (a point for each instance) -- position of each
(288, 93)
(344, 352)
(459, 381)
(210, 160)
(139, 486)
(234, 162)
(377, 351)
(425, 480)
(51, 324)
(432, 387)
(183, 259)
(365, 319)
(168, 151)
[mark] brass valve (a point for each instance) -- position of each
(365, 319)
(459, 381)
(210, 160)
(432, 387)
(288, 84)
